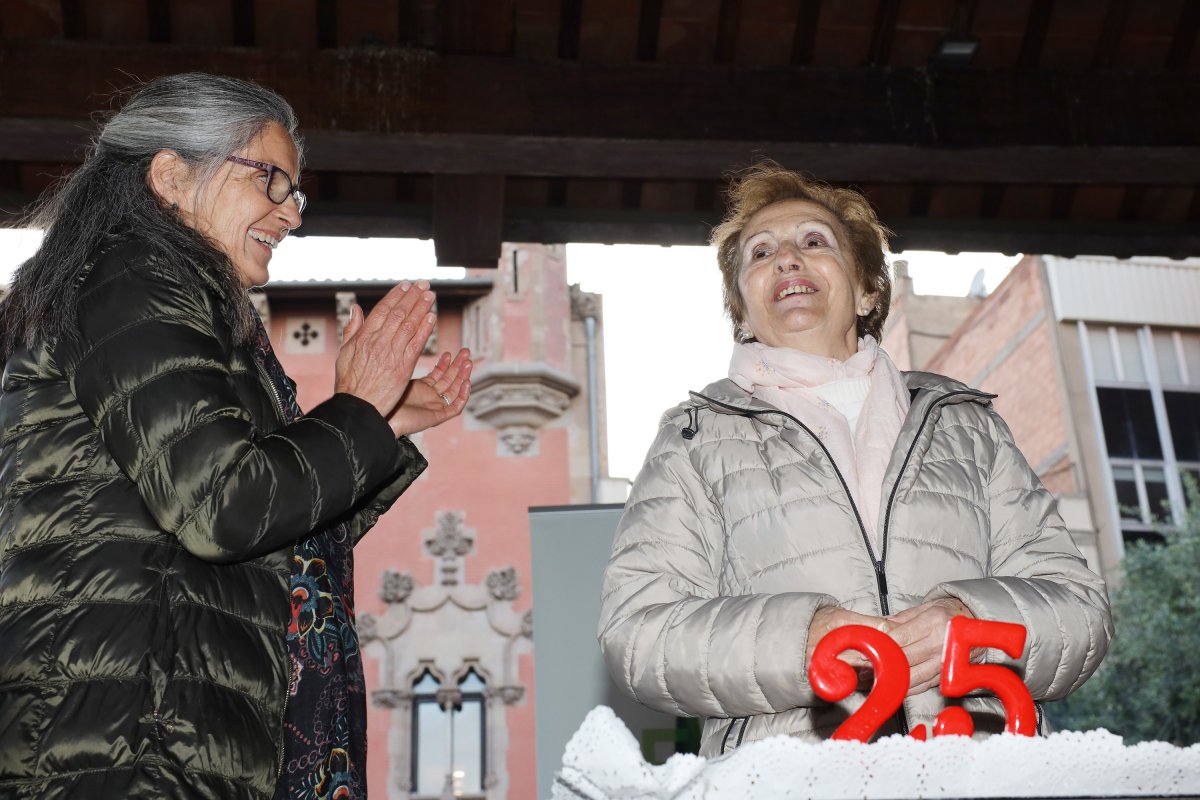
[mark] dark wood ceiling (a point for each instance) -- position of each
(1073, 127)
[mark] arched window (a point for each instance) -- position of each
(448, 738)
(470, 755)
(430, 738)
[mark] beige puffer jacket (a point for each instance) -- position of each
(739, 528)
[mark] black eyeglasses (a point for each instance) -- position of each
(279, 183)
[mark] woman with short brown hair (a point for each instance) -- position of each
(817, 486)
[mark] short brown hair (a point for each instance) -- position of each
(767, 183)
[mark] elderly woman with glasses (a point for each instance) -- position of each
(817, 486)
(176, 563)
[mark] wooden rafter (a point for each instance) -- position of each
(616, 120)
(883, 32)
(409, 92)
(1184, 40)
(65, 141)
(1038, 25)
(808, 15)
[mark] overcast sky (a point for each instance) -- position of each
(664, 328)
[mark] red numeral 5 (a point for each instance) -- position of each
(960, 676)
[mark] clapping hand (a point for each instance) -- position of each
(439, 396)
(380, 352)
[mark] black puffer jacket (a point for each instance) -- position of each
(149, 500)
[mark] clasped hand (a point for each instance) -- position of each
(920, 631)
(380, 352)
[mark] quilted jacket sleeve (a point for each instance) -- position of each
(670, 639)
(151, 372)
(410, 465)
(1038, 579)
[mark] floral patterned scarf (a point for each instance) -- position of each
(325, 723)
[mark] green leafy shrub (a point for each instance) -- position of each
(1148, 688)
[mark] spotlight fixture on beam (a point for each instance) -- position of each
(956, 52)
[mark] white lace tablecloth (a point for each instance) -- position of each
(603, 762)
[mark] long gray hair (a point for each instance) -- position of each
(204, 118)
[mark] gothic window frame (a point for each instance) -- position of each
(419, 699)
(460, 677)
(454, 680)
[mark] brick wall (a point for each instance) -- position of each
(1005, 348)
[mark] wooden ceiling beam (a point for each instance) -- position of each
(158, 22)
(883, 32)
(649, 23)
(1186, 30)
(327, 27)
(243, 23)
(1115, 19)
(468, 219)
(962, 20)
(72, 19)
(1124, 239)
(1036, 28)
(66, 141)
(728, 23)
(1065, 238)
(570, 20)
(409, 91)
(804, 39)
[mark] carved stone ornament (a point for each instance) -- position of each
(368, 627)
(390, 698)
(502, 584)
(396, 586)
(518, 440)
(530, 395)
(527, 624)
(449, 697)
(450, 539)
(584, 304)
(508, 694)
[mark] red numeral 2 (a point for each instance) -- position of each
(833, 679)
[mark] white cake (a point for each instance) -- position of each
(603, 762)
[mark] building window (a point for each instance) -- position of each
(470, 730)
(1130, 430)
(1147, 386)
(475, 327)
(1183, 413)
(448, 753)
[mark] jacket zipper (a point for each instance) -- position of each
(266, 379)
(880, 563)
(287, 692)
(902, 713)
(880, 579)
(887, 517)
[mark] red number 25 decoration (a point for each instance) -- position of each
(833, 679)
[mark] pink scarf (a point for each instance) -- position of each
(785, 377)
